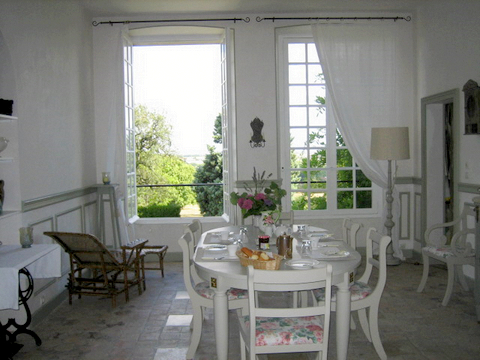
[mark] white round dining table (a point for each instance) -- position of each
(223, 275)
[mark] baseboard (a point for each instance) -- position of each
(46, 309)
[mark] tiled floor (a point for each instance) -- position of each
(154, 326)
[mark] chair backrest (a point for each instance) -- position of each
(195, 231)
(376, 240)
(285, 281)
(286, 218)
(85, 249)
(456, 230)
(190, 276)
(350, 230)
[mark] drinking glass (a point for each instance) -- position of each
(306, 250)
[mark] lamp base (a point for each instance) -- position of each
(392, 260)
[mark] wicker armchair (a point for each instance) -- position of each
(97, 271)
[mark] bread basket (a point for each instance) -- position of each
(260, 264)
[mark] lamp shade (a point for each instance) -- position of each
(390, 143)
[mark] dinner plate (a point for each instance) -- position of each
(215, 247)
(342, 254)
(302, 264)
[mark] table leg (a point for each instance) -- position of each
(220, 310)
(343, 318)
(8, 338)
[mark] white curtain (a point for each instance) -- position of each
(363, 65)
(109, 101)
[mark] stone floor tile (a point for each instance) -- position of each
(413, 326)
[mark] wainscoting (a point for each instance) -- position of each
(69, 211)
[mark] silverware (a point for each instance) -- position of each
(219, 258)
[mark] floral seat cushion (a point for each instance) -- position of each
(443, 251)
(287, 331)
(358, 291)
(233, 294)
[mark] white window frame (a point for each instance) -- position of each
(130, 168)
(228, 111)
(303, 34)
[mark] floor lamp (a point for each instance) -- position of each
(390, 143)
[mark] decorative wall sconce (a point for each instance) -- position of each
(257, 139)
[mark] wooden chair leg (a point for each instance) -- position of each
(160, 260)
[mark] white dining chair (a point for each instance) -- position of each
(366, 295)
(286, 218)
(283, 329)
(456, 254)
(195, 230)
(349, 231)
(201, 295)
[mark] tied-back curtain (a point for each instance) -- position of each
(362, 65)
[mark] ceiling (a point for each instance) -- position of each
(102, 8)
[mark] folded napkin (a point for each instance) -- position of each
(216, 238)
(217, 255)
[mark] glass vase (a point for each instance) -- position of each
(257, 221)
(26, 237)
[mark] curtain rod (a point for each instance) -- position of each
(95, 23)
(408, 18)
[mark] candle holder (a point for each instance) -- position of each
(106, 178)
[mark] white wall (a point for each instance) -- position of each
(51, 50)
(448, 56)
(49, 77)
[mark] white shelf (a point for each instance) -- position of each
(8, 213)
(4, 117)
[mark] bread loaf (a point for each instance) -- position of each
(247, 251)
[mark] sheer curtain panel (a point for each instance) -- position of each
(368, 71)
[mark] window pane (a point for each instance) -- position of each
(318, 159)
(298, 95)
(364, 199)
(339, 139)
(318, 137)
(312, 53)
(345, 199)
(298, 116)
(315, 91)
(319, 201)
(344, 179)
(296, 158)
(298, 137)
(299, 180)
(344, 158)
(297, 74)
(317, 116)
(296, 52)
(318, 179)
(315, 74)
(299, 201)
(362, 180)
